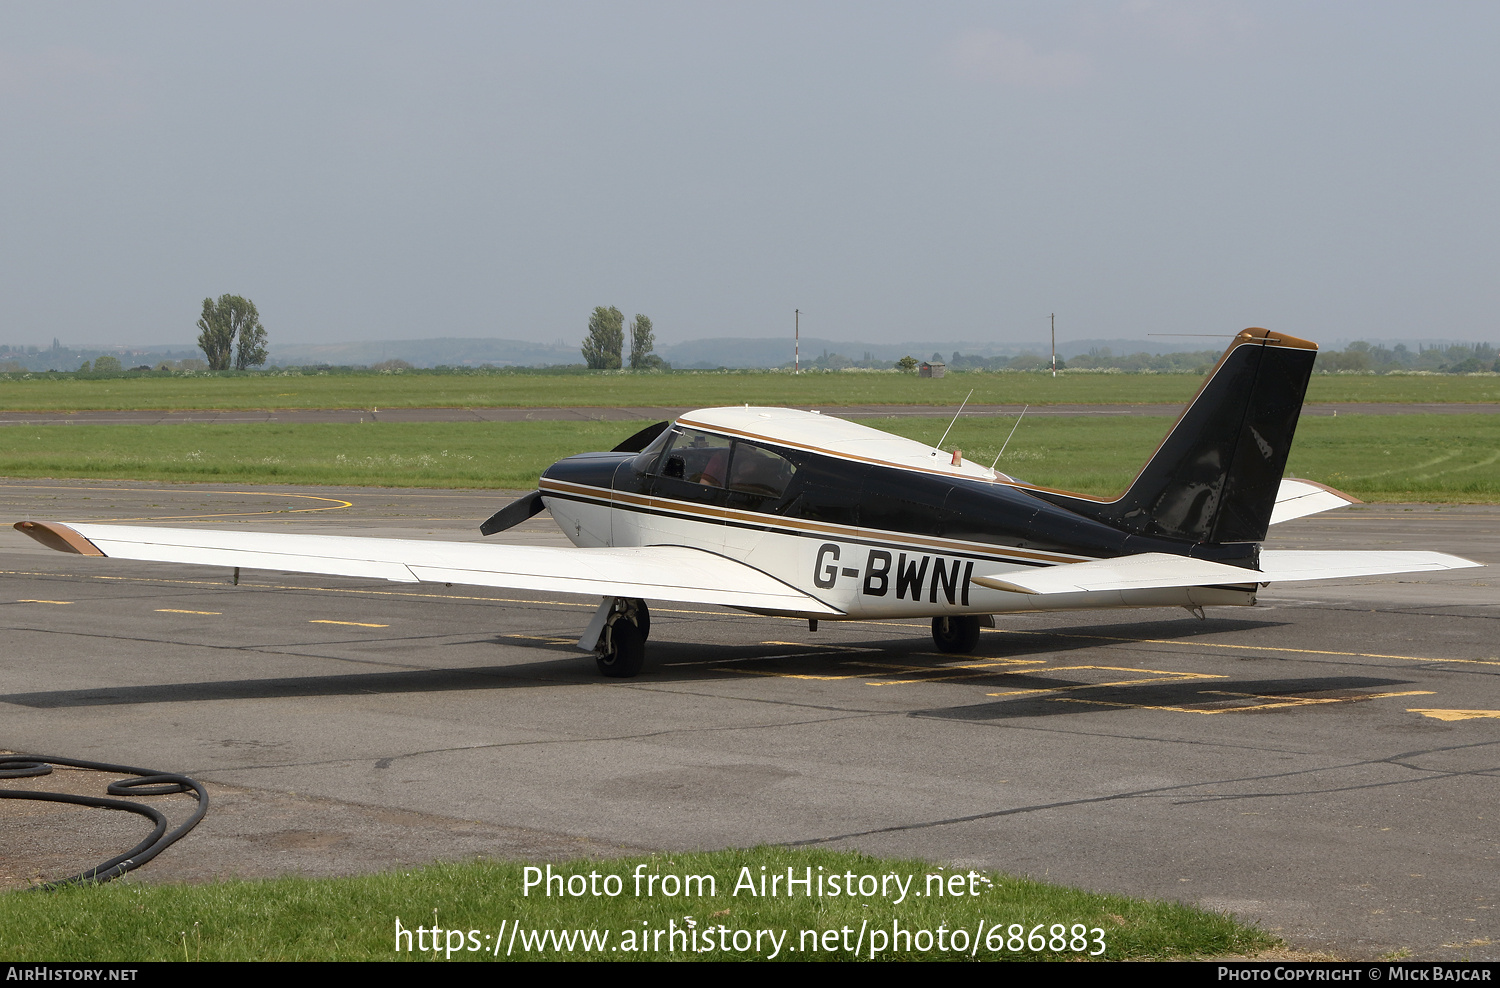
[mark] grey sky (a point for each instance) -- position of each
(897, 171)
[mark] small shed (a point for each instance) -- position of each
(932, 369)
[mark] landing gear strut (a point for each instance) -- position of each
(956, 635)
(621, 649)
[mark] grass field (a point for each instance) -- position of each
(355, 918)
(1450, 458)
(695, 390)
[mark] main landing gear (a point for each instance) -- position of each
(621, 650)
(958, 635)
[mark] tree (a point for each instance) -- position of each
(251, 351)
(107, 365)
(222, 321)
(606, 340)
(907, 364)
(642, 342)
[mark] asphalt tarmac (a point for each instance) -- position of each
(1326, 764)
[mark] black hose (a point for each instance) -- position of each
(146, 783)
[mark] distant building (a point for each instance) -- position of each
(932, 369)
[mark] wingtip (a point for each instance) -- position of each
(55, 535)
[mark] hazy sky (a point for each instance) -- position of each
(897, 171)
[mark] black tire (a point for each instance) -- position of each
(627, 651)
(643, 618)
(955, 635)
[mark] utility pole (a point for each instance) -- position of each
(797, 342)
(1054, 344)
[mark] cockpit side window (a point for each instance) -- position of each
(698, 458)
(759, 471)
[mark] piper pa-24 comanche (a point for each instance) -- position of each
(792, 513)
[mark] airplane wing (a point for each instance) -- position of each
(1297, 498)
(1157, 569)
(674, 573)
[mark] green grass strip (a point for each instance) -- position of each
(685, 389)
(971, 915)
(1442, 458)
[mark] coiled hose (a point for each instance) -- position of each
(146, 782)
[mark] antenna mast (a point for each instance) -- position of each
(1054, 346)
(954, 422)
(1009, 437)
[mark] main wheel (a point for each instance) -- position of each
(627, 650)
(957, 635)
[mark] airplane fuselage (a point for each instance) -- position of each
(893, 530)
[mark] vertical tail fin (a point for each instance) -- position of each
(1214, 478)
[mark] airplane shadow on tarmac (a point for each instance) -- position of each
(1025, 664)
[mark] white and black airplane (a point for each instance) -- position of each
(793, 513)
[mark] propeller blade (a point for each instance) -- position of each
(641, 439)
(513, 513)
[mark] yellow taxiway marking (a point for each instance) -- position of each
(44, 602)
(1453, 714)
(1248, 648)
(355, 624)
(337, 503)
(1273, 702)
(549, 639)
(1155, 676)
(174, 610)
(786, 675)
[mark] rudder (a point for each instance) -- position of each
(1215, 476)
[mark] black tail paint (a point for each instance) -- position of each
(1214, 478)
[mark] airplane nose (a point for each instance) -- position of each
(587, 469)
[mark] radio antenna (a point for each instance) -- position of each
(953, 423)
(1008, 438)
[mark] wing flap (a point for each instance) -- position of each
(673, 573)
(1153, 570)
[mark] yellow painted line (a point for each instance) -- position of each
(1275, 702)
(786, 675)
(173, 610)
(1248, 648)
(338, 503)
(1184, 710)
(818, 645)
(44, 602)
(1153, 676)
(971, 670)
(1453, 714)
(355, 624)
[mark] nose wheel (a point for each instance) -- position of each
(956, 635)
(621, 650)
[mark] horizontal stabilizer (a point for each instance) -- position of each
(675, 573)
(1299, 498)
(1286, 565)
(1154, 570)
(1141, 572)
